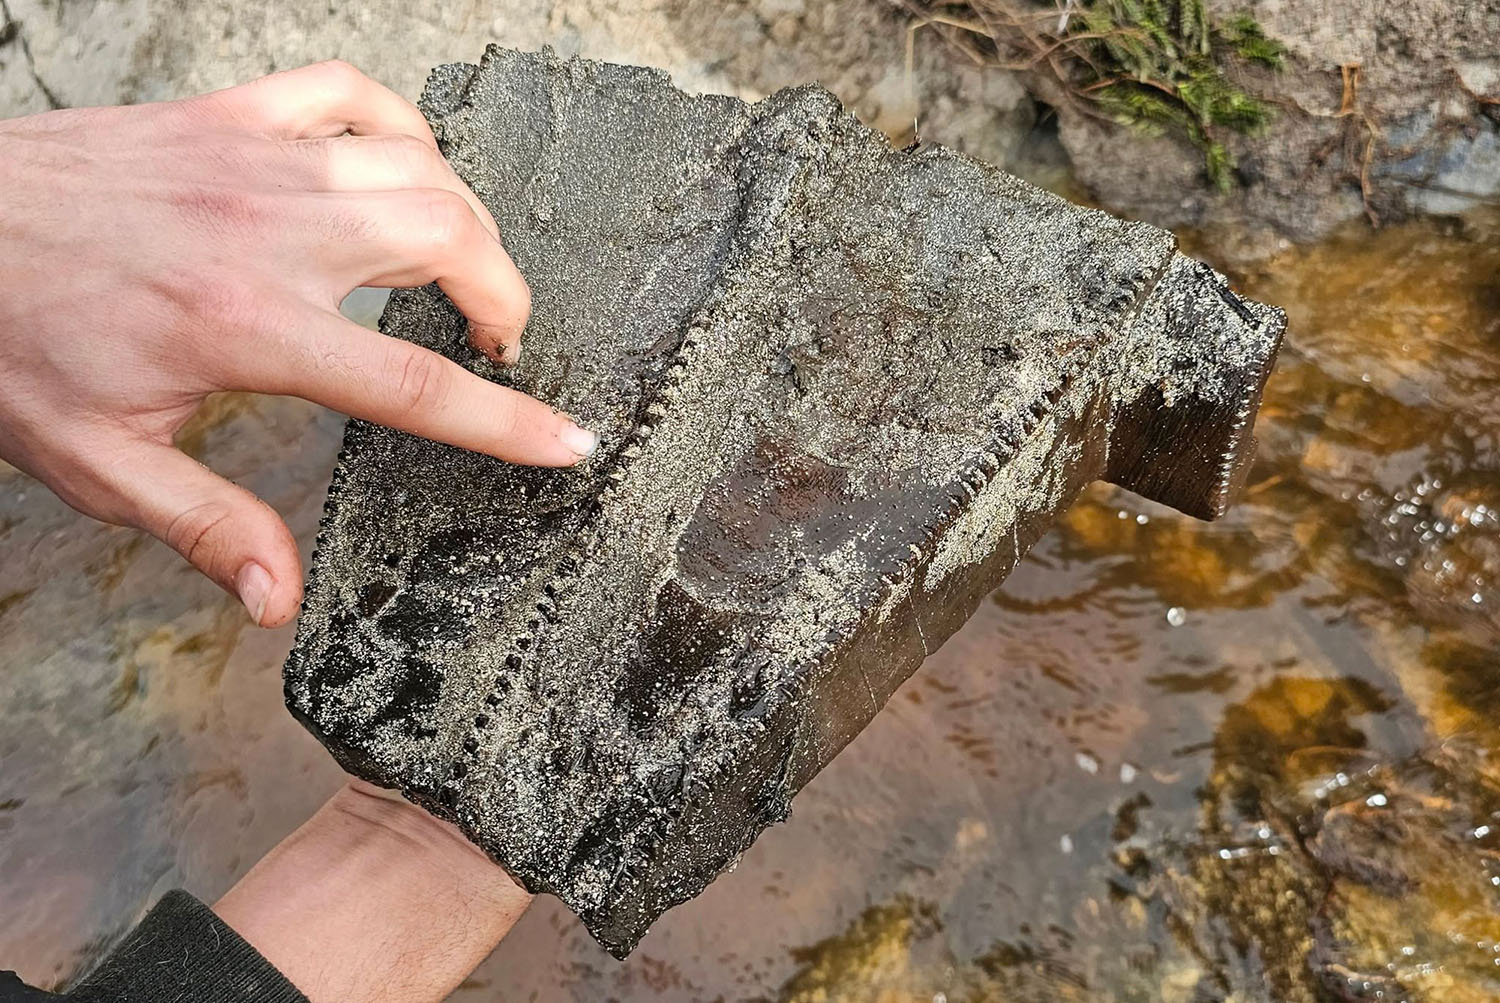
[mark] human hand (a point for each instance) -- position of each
(374, 899)
(154, 254)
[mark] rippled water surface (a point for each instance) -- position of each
(1169, 761)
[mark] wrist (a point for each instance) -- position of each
(374, 898)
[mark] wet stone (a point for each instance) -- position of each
(840, 388)
(1328, 863)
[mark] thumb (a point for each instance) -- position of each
(220, 528)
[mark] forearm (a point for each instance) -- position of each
(374, 899)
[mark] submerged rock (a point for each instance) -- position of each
(840, 390)
(1325, 866)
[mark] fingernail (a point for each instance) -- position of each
(579, 440)
(512, 354)
(253, 584)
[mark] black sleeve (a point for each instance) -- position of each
(180, 952)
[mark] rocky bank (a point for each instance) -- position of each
(1381, 109)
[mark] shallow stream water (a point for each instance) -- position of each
(1169, 761)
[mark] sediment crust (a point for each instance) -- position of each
(840, 390)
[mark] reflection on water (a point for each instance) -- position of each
(142, 742)
(1170, 761)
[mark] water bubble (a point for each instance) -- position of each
(1086, 762)
(1177, 616)
(1065, 844)
(1128, 773)
(1376, 801)
(1142, 519)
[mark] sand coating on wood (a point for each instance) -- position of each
(840, 389)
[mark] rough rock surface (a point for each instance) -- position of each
(841, 389)
(1383, 109)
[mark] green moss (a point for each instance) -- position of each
(1167, 66)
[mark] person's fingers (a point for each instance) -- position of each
(324, 99)
(409, 238)
(378, 164)
(220, 528)
(337, 363)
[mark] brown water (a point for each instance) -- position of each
(1170, 761)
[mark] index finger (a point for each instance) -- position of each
(337, 363)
